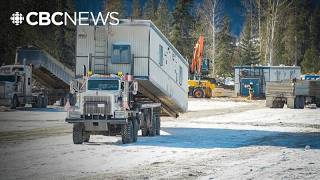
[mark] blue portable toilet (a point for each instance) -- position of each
(244, 91)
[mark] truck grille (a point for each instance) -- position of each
(97, 105)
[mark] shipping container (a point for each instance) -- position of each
(136, 47)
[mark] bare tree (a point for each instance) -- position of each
(274, 12)
(213, 13)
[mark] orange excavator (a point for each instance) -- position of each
(200, 85)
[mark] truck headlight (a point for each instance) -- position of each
(120, 114)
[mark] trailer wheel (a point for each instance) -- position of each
(135, 130)
(127, 132)
(198, 93)
(14, 102)
(78, 133)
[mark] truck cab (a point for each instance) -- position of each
(15, 84)
(108, 105)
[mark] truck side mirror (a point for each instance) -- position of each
(135, 88)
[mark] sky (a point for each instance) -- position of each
(232, 8)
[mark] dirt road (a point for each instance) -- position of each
(217, 139)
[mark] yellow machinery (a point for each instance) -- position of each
(200, 87)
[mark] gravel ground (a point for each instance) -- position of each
(216, 139)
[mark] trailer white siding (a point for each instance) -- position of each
(153, 58)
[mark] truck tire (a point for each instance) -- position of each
(158, 126)
(44, 102)
(198, 93)
(14, 103)
(299, 102)
(135, 130)
(143, 123)
(78, 133)
(153, 127)
(318, 101)
(127, 132)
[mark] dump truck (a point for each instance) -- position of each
(36, 79)
(296, 93)
(16, 87)
(127, 77)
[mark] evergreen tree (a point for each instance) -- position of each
(224, 61)
(150, 9)
(311, 61)
(163, 18)
(136, 9)
(182, 28)
(248, 47)
(117, 6)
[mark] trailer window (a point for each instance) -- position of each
(160, 55)
(121, 54)
(180, 75)
(103, 85)
(7, 78)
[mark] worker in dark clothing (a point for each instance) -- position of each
(251, 90)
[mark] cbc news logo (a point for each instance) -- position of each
(64, 18)
(16, 18)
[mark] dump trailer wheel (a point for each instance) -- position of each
(78, 133)
(198, 93)
(127, 132)
(135, 130)
(14, 102)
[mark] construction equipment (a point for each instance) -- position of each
(200, 85)
(138, 76)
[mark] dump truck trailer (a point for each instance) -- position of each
(128, 76)
(296, 94)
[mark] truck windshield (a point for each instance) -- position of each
(7, 78)
(103, 85)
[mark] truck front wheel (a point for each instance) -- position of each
(127, 132)
(14, 102)
(78, 133)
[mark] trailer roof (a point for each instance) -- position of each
(137, 22)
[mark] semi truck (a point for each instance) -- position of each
(127, 77)
(296, 93)
(16, 87)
